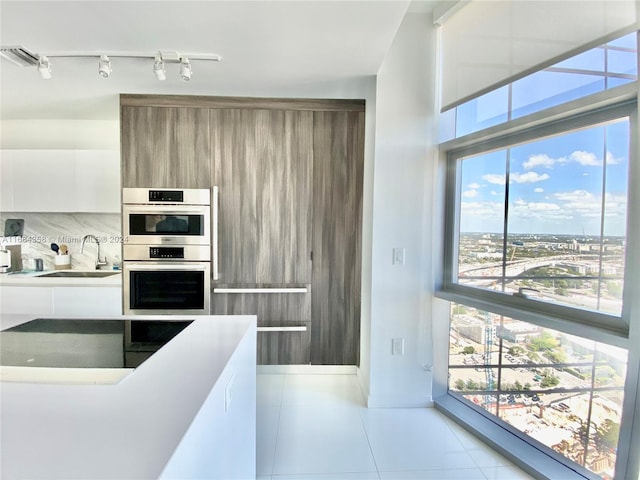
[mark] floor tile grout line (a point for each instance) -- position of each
(366, 434)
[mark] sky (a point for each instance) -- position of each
(557, 185)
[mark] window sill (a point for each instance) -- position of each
(533, 461)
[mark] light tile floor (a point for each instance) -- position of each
(316, 427)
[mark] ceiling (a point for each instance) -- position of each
(269, 48)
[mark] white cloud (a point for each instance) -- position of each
(539, 160)
(611, 160)
(543, 211)
(529, 177)
(586, 159)
(474, 186)
(494, 178)
(543, 207)
(538, 190)
(482, 209)
(470, 193)
(581, 203)
(575, 196)
(493, 192)
(582, 157)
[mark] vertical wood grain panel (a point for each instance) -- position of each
(165, 147)
(284, 197)
(189, 148)
(283, 348)
(235, 172)
(272, 310)
(262, 164)
(337, 213)
(145, 146)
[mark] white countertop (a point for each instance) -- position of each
(127, 430)
(35, 279)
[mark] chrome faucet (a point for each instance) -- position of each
(99, 262)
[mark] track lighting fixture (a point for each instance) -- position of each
(44, 67)
(158, 69)
(104, 66)
(185, 69)
(22, 57)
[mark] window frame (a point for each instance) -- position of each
(585, 112)
(515, 445)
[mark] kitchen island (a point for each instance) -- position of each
(187, 412)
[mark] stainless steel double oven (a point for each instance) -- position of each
(169, 250)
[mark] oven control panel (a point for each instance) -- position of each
(176, 196)
(166, 252)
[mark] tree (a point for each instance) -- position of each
(549, 381)
(556, 356)
(516, 351)
(517, 385)
(473, 385)
(468, 350)
(459, 384)
(544, 341)
(606, 435)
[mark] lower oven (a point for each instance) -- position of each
(170, 287)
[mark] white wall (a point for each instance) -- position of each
(402, 217)
(60, 134)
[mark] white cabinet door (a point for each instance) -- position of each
(6, 183)
(33, 300)
(97, 181)
(43, 180)
(91, 301)
(60, 181)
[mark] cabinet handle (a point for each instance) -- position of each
(301, 328)
(214, 233)
(261, 290)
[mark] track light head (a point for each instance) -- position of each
(185, 69)
(104, 66)
(158, 69)
(44, 67)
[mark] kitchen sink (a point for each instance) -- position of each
(72, 274)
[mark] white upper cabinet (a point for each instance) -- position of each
(60, 181)
(97, 186)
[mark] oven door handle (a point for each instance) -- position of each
(165, 266)
(166, 210)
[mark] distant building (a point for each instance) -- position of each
(518, 332)
(474, 330)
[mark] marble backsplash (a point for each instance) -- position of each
(43, 229)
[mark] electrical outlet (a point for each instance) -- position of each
(398, 256)
(397, 346)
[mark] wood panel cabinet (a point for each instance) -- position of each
(165, 147)
(284, 321)
(290, 175)
(338, 146)
(263, 167)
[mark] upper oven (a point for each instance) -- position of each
(166, 216)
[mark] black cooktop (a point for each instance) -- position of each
(79, 343)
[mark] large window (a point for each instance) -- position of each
(537, 249)
(548, 217)
(602, 68)
(563, 391)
